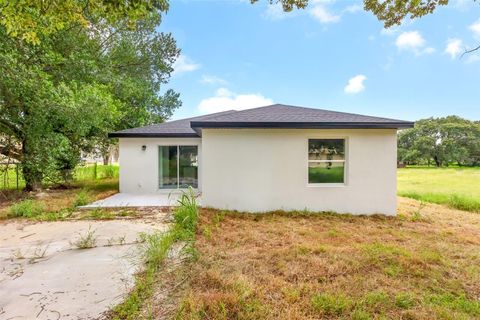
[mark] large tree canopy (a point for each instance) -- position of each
(441, 141)
(32, 19)
(62, 94)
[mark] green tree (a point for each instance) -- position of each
(442, 141)
(31, 19)
(63, 94)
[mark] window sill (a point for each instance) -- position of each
(326, 185)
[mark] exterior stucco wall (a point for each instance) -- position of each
(139, 169)
(260, 170)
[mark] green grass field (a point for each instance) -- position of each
(8, 180)
(457, 188)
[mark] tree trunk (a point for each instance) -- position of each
(31, 174)
(106, 159)
(437, 161)
(33, 178)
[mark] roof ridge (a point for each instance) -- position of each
(240, 112)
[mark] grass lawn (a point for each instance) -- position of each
(8, 178)
(455, 187)
(55, 204)
(421, 265)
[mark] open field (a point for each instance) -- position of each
(424, 264)
(455, 187)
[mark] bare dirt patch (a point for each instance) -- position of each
(423, 264)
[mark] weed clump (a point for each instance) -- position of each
(27, 208)
(87, 240)
(81, 199)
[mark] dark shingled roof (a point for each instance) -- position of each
(177, 128)
(274, 116)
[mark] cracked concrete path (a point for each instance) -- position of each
(43, 275)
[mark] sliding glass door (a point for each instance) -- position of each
(178, 167)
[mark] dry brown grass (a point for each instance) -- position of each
(55, 200)
(419, 265)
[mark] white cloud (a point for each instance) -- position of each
(355, 84)
(184, 64)
(353, 8)
(410, 40)
(453, 47)
(475, 28)
(224, 100)
(320, 13)
(211, 79)
(413, 41)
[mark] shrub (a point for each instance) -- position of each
(81, 199)
(27, 208)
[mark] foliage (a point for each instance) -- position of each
(155, 249)
(32, 20)
(64, 94)
(391, 12)
(27, 208)
(441, 141)
(288, 5)
(82, 198)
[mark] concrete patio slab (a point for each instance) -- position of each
(137, 200)
(43, 274)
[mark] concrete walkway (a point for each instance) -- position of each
(44, 275)
(137, 200)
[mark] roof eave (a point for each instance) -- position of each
(151, 135)
(304, 125)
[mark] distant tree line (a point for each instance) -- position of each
(441, 142)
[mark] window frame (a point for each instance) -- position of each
(344, 161)
(177, 145)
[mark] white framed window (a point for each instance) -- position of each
(326, 161)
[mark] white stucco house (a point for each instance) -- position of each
(276, 157)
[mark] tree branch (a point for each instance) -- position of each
(469, 51)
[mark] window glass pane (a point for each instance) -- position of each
(188, 166)
(167, 167)
(326, 149)
(326, 172)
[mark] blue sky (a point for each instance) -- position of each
(333, 55)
